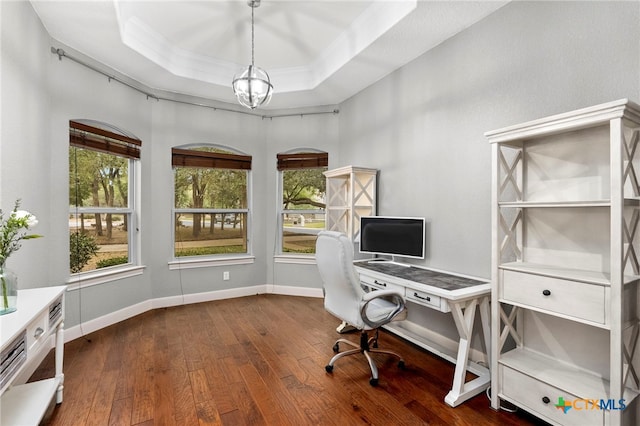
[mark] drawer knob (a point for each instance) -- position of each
(38, 332)
(546, 399)
(379, 283)
(546, 292)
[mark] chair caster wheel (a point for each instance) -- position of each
(328, 368)
(373, 382)
(336, 348)
(401, 364)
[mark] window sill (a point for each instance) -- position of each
(204, 263)
(88, 279)
(298, 259)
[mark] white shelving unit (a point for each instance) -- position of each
(565, 270)
(351, 194)
(24, 342)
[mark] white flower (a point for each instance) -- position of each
(31, 219)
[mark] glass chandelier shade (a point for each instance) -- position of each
(252, 86)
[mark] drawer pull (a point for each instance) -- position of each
(38, 332)
(546, 292)
(427, 298)
(379, 283)
(546, 399)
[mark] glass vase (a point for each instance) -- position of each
(9, 290)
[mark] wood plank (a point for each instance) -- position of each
(121, 412)
(256, 360)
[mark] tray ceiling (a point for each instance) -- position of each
(316, 52)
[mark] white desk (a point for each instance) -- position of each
(24, 337)
(444, 292)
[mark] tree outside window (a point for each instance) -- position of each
(101, 160)
(302, 212)
(211, 201)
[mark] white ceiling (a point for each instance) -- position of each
(316, 52)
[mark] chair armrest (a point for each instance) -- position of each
(389, 295)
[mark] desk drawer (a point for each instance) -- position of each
(541, 398)
(423, 298)
(552, 294)
(380, 284)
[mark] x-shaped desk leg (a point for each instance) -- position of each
(464, 315)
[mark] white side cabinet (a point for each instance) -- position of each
(565, 267)
(25, 337)
(351, 194)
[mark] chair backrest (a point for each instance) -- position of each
(341, 282)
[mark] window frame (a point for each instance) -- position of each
(211, 160)
(296, 159)
(102, 137)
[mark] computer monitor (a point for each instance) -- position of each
(393, 236)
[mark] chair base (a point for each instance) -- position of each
(367, 346)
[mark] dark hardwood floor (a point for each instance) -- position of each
(250, 361)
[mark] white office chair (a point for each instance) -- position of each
(345, 298)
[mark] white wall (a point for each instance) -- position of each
(178, 124)
(422, 127)
(25, 107)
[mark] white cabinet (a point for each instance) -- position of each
(351, 194)
(24, 340)
(565, 270)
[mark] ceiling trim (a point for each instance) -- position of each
(62, 54)
(372, 24)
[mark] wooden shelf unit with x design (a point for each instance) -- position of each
(565, 270)
(351, 194)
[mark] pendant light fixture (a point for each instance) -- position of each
(252, 86)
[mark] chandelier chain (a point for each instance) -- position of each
(252, 86)
(252, 37)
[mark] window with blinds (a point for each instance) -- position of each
(301, 200)
(101, 196)
(211, 201)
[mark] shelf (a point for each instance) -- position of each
(418, 335)
(590, 277)
(350, 194)
(628, 202)
(557, 204)
(26, 404)
(564, 122)
(561, 375)
(566, 216)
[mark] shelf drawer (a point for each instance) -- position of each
(569, 298)
(541, 399)
(37, 331)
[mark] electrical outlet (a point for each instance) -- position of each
(225, 275)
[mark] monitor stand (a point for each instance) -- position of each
(392, 261)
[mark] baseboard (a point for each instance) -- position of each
(96, 324)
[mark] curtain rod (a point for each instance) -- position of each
(61, 53)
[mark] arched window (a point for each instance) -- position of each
(302, 200)
(211, 207)
(102, 184)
